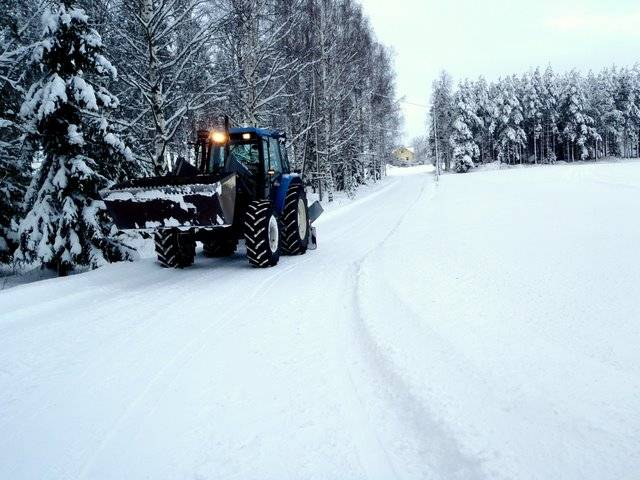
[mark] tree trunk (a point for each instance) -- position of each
(157, 96)
(249, 62)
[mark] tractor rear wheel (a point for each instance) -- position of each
(174, 250)
(295, 222)
(262, 234)
(220, 248)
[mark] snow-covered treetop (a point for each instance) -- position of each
(53, 107)
(71, 44)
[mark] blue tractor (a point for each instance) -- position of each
(241, 188)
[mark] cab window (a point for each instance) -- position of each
(283, 156)
(274, 161)
(241, 155)
(215, 160)
(245, 153)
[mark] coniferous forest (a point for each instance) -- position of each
(95, 92)
(538, 117)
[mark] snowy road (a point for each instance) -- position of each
(487, 327)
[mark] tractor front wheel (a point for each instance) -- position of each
(174, 250)
(262, 234)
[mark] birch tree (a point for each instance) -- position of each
(164, 54)
(441, 118)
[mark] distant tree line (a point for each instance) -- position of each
(93, 92)
(538, 117)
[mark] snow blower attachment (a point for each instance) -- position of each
(241, 188)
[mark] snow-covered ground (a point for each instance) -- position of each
(486, 327)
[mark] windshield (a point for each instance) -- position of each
(245, 155)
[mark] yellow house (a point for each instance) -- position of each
(405, 155)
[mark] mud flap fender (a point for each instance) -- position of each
(313, 239)
(314, 211)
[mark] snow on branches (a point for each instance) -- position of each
(17, 30)
(536, 118)
(465, 149)
(67, 225)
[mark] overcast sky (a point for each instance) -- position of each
(469, 38)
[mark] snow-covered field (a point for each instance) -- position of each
(486, 327)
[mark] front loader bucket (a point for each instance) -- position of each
(178, 205)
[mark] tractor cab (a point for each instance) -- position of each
(258, 157)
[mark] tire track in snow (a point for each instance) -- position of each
(184, 354)
(355, 204)
(374, 456)
(437, 446)
(438, 449)
(134, 334)
(263, 289)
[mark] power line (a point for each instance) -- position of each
(414, 104)
(402, 100)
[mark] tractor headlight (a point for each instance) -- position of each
(218, 137)
(246, 136)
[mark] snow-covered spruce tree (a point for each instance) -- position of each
(531, 84)
(601, 107)
(465, 149)
(14, 178)
(484, 109)
(550, 115)
(610, 120)
(627, 104)
(16, 33)
(67, 225)
(510, 137)
(578, 130)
